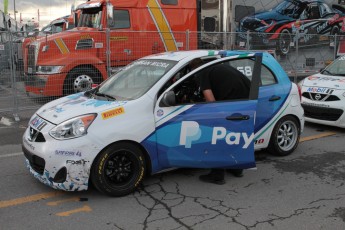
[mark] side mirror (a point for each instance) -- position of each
(110, 15)
(168, 99)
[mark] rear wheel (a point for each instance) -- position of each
(80, 80)
(119, 169)
(285, 136)
(332, 39)
(284, 41)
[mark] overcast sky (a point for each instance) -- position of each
(49, 9)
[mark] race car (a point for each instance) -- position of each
(323, 95)
(144, 120)
(278, 27)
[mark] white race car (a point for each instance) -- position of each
(144, 120)
(323, 95)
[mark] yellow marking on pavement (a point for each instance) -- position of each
(55, 203)
(86, 208)
(22, 200)
(317, 136)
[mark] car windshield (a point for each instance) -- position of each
(91, 18)
(135, 79)
(337, 68)
(289, 8)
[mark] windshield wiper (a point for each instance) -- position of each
(326, 71)
(105, 95)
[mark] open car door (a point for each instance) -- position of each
(201, 134)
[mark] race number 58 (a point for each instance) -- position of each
(246, 70)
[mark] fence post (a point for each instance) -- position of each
(335, 46)
(247, 40)
(13, 81)
(297, 55)
(187, 39)
(108, 51)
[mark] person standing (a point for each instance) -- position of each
(218, 83)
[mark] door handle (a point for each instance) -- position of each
(238, 118)
(274, 98)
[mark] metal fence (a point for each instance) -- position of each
(34, 71)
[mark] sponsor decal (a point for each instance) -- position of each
(259, 141)
(38, 123)
(79, 162)
(29, 145)
(312, 78)
(85, 36)
(317, 90)
(160, 112)
(113, 113)
(67, 153)
(98, 45)
(190, 131)
(122, 38)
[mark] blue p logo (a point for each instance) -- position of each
(190, 131)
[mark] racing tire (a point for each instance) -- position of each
(334, 32)
(118, 170)
(80, 80)
(285, 136)
(284, 41)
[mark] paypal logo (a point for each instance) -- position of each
(190, 131)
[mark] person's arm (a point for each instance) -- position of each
(208, 94)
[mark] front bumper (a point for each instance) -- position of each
(63, 165)
(324, 113)
(46, 85)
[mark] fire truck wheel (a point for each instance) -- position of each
(79, 80)
(119, 169)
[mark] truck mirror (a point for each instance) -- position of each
(168, 99)
(110, 15)
(75, 19)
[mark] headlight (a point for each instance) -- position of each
(48, 69)
(73, 128)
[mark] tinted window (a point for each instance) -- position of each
(169, 2)
(246, 66)
(121, 19)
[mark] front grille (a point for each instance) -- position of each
(320, 97)
(326, 114)
(37, 163)
(32, 59)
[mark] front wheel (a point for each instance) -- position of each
(80, 80)
(119, 169)
(285, 136)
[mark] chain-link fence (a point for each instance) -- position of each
(36, 70)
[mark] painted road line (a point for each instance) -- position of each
(85, 208)
(11, 155)
(22, 200)
(309, 138)
(55, 203)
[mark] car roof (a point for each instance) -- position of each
(180, 55)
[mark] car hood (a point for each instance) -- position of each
(264, 19)
(74, 105)
(325, 81)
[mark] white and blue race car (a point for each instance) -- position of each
(323, 95)
(145, 119)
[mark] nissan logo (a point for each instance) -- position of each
(317, 97)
